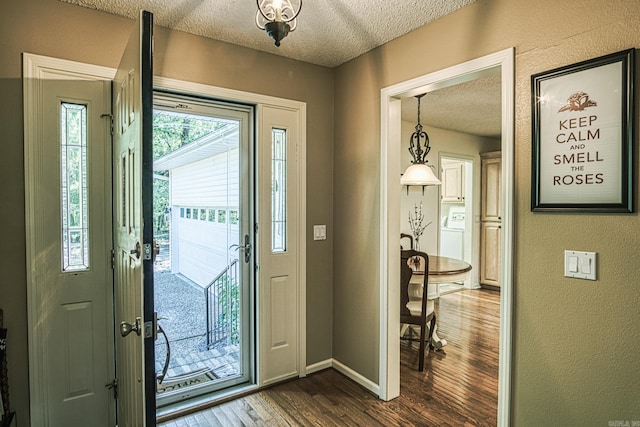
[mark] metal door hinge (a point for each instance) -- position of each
(113, 385)
(111, 121)
(113, 259)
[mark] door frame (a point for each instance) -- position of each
(33, 68)
(390, 125)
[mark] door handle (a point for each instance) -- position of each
(156, 249)
(136, 251)
(126, 328)
(246, 248)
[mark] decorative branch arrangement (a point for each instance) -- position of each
(415, 222)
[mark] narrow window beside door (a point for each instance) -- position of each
(74, 194)
(278, 190)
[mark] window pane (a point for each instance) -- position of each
(278, 190)
(74, 187)
(212, 215)
(222, 216)
(233, 216)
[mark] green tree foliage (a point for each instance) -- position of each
(171, 131)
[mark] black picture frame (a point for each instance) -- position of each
(583, 136)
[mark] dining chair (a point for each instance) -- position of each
(406, 236)
(416, 310)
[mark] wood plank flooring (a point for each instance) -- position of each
(459, 386)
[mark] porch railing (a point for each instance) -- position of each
(222, 296)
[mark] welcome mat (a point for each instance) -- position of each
(186, 380)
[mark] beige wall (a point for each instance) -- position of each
(53, 28)
(576, 343)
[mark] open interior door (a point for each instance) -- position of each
(133, 233)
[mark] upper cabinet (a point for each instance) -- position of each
(491, 186)
(452, 177)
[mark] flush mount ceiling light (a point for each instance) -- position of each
(419, 173)
(278, 17)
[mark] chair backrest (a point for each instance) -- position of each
(406, 236)
(411, 260)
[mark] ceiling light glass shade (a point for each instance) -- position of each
(278, 17)
(419, 174)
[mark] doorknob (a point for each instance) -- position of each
(136, 251)
(126, 328)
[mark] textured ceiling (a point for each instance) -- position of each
(473, 107)
(329, 33)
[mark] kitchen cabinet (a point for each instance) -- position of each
(452, 177)
(491, 218)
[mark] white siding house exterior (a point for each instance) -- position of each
(204, 206)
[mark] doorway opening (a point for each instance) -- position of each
(391, 99)
(202, 215)
(456, 229)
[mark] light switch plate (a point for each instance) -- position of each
(320, 232)
(580, 265)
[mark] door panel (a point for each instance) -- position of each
(278, 288)
(73, 284)
(133, 287)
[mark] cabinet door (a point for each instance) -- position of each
(491, 189)
(453, 182)
(490, 253)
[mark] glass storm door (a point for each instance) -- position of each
(202, 216)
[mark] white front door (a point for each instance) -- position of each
(69, 263)
(133, 234)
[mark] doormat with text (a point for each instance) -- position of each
(184, 381)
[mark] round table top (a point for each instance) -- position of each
(440, 265)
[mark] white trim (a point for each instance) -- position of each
(35, 67)
(319, 366)
(353, 375)
(389, 370)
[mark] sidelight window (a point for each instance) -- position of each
(278, 190)
(74, 187)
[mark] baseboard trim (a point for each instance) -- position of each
(319, 366)
(355, 376)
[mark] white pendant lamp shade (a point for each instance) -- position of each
(419, 174)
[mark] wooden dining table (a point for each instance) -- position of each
(441, 270)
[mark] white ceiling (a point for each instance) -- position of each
(330, 33)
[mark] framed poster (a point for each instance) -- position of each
(582, 142)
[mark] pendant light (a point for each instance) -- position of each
(278, 17)
(419, 173)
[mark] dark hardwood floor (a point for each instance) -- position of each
(459, 386)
